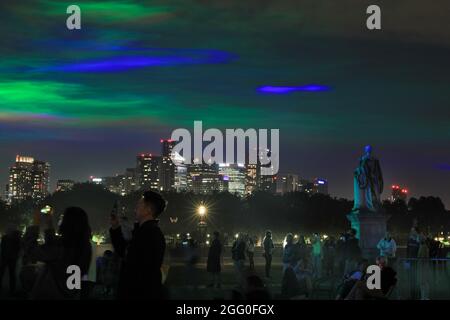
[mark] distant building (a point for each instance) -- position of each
(209, 183)
(398, 193)
(147, 171)
(251, 178)
(236, 174)
(287, 183)
(113, 184)
(306, 186)
(95, 180)
(28, 178)
(64, 185)
(180, 183)
(129, 182)
(320, 186)
(205, 178)
(268, 183)
(196, 169)
(167, 169)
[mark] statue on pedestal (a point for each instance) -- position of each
(368, 183)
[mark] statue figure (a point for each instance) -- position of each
(368, 183)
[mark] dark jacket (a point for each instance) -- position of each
(213, 263)
(238, 250)
(352, 250)
(10, 246)
(141, 270)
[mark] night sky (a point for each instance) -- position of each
(89, 100)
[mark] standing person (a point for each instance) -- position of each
(10, 248)
(302, 250)
(340, 254)
(289, 252)
(352, 251)
(72, 246)
(30, 267)
(238, 256)
(268, 251)
(251, 252)
(423, 267)
(329, 252)
(412, 247)
(213, 264)
(388, 248)
(141, 276)
(317, 254)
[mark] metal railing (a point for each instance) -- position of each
(422, 279)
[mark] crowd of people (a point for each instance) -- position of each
(132, 269)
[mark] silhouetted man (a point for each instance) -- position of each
(10, 248)
(141, 276)
(268, 251)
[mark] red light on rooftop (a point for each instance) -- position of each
(162, 140)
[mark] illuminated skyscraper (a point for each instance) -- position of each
(205, 178)
(196, 169)
(147, 171)
(28, 178)
(251, 178)
(180, 174)
(287, 183)
(167, 169)
(320, 186)
(236, 174)
(209, 183)
(64, 185)
(306, 186)
(399, 193)
(129, 181)
(267, 182)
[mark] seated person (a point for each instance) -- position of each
(351, 278)
(388, 280)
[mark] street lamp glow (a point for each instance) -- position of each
(201, 210)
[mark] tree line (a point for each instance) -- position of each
(296, 212)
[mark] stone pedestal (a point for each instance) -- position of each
(370, 228)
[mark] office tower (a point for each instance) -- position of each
(236, 174)
(96, 180)
(180, 173)
(147, 171)
(320, 186)
(129, 182)
(113, 184)
(306, 186)
(196, 169)
(209, 183)
(167, 169)
(398, 193)
(205, 178)
(28, 178)
(251, 178)
(287, 183)
(64, 185)
(268, 180)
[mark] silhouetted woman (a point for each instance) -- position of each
(71, 247)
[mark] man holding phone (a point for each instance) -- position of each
(141, 277)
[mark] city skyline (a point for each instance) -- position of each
(226, 64)
(134, 181)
